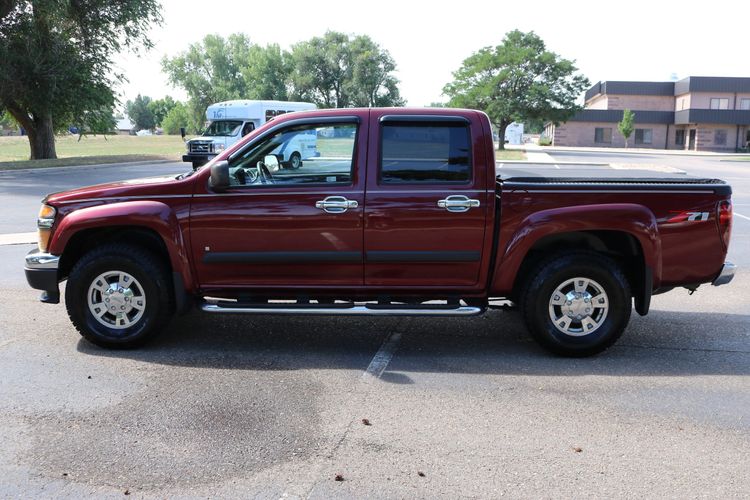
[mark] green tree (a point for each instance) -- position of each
(140, 113)
(265, 73)
(160, 107)
(178, 117)
(336, 71)
(372, 82)
(517, 80)
(7, 122)
(98, 121)
(210, 71)
(627, 125)
(56, 60)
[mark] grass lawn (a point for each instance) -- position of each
(92, 150)
(509, 154)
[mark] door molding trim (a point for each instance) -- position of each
(279, 257)
(423, 256)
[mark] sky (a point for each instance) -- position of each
(609, 40)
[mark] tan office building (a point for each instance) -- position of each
(697, 113)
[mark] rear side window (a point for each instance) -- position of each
(425, 153)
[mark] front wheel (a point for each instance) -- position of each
(577, 304)
(295, 161)
(119, 296)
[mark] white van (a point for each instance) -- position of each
(230, 121)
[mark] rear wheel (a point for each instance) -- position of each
(577, 304)
(119, 296)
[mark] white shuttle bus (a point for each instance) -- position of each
(230, 121)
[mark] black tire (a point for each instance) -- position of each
(153, 282)
(295, 161)
(198, 164)
(555, 272)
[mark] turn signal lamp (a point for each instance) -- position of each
(44, 225)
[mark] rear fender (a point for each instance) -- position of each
(633, 219)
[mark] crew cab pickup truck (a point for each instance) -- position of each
(403, 212)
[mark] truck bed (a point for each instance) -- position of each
(595, 177)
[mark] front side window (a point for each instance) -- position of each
(223, 128)
(425, 152)
(603, 135)
(643, 136)
(719, 103)
(720, 137)
(298, 155)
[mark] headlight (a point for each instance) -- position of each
(218, 148)
(44, 225)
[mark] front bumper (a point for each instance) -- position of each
(198, 158)
(726, 274)
(41, 274)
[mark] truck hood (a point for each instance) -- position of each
(145, 187)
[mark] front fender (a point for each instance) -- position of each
(153, 215)
(630, 218)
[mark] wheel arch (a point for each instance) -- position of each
(626, 232)
(149, 224)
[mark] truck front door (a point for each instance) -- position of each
(281, 228)
(426, 201)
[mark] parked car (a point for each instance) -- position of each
(403, 213)
(230, 121)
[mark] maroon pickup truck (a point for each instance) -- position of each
(398, 212)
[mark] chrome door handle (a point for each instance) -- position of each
(457, 203)
(336, 204)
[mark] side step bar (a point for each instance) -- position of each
(342, 310)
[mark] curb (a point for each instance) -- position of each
(645, 151)
(82, 167)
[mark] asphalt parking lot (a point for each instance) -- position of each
(274, 407)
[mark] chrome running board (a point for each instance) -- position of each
(342, 309)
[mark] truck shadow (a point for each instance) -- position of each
(665, 343)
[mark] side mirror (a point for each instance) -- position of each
(182, 132)
(272, 162)
(219, 180)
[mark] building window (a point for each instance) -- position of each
(682, 104)
(643, 136)
(679, 137)
(745, 104)
(719, 103)
(603, 135)
(720, 137)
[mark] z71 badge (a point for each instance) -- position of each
(689, 217)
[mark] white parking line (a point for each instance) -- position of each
(381, 359)
(18, 238)
(743, 216)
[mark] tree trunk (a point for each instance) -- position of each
(42, 139)
(501, 135)
(39, 129)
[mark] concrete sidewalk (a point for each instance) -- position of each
(18, 238)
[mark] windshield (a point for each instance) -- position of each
(223, 128)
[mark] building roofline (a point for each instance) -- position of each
(726, 84)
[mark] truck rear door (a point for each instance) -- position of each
(425, 201)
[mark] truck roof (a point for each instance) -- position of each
(242, 108)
